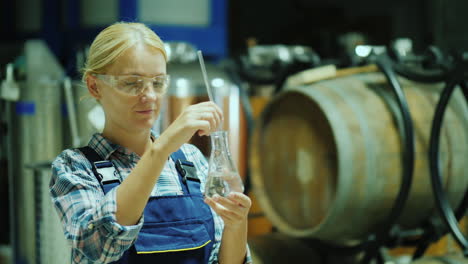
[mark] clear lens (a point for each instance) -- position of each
(129, 85)
(135, 85)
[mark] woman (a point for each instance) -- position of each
(132, 197)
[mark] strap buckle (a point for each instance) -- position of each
(106, 171)
(187, 170)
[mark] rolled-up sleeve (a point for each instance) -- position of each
(87, 215)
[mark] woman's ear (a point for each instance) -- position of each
(91, 83)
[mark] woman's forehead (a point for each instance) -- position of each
(139, 60)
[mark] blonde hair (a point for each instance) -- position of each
(114, 40)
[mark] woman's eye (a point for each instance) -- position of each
(130, 83)
(159, 86)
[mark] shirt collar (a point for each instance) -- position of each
(104, 147)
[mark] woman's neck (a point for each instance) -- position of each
(137, 141)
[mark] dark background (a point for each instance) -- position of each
(315, 23)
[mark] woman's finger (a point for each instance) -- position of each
(231, 206)
(219, 113)
(211, 118)
(226, 202)
(221, 210)
(208, 107)
(203, 127)
(240, 199)
(218, 117)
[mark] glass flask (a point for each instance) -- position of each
(223, 177)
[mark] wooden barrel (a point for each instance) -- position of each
(442, 260)
(258, 223)
(326, 158)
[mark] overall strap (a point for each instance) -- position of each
(103, 170)
(187, 173)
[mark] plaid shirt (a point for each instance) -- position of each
(88, 216)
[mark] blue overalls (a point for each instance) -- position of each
(176, 229)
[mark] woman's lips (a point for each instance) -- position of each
(145, 112)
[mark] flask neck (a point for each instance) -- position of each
(219, 141)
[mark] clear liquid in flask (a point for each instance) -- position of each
(223, 177)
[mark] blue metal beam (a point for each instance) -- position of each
(73, 14)
(51, 25)
(128, 10)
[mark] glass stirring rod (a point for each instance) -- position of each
(205, 77)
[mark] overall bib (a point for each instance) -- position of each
(176, 229)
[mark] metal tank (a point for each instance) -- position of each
(37, 136)
(187, 87)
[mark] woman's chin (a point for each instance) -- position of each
(142, 125)
(146, 124)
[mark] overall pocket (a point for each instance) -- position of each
(172, 237)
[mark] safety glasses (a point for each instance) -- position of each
(135, 85)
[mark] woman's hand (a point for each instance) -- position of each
(203, 117)
(233, 209)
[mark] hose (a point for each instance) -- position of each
(407, 136)
(443, 205)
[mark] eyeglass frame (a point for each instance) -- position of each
(111, 80)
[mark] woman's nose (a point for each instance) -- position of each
(149, 93)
